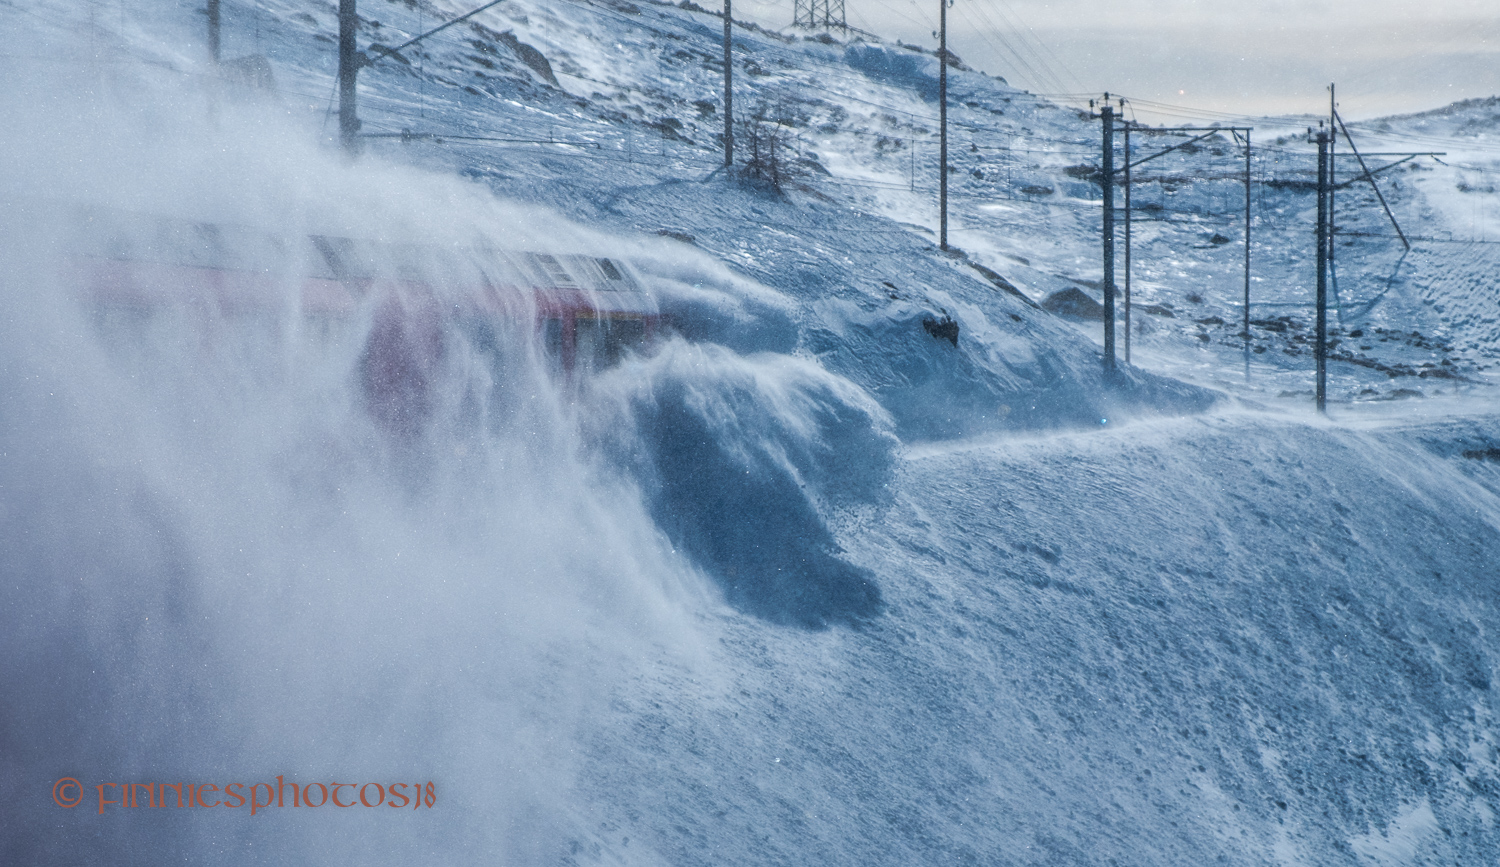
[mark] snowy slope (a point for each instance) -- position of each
(1194, 643)
(803, 583)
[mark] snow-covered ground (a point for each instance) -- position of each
(805, 582)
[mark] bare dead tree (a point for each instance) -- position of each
(769, 145)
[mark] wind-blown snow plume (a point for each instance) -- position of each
(742, 460)
(225, 560)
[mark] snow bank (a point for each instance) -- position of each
(741, 460)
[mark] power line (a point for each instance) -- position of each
(1049, 78)
(1006, 7)
(925, 24)
(985, 31)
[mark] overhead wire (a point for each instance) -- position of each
(1005, 6)
(925, 24)
(1428, 139)
(1049, 77)
(991, 33)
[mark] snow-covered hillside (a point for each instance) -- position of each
(817, 577)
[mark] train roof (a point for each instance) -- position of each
(332, 265)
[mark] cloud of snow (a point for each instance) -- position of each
(220, 569)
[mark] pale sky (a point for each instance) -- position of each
(1253, 57)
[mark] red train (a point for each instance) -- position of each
(584, 311)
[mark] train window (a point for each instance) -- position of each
(589, 344)
(602, 342)
(624, 334)
(596, 342)
(610, 270)
(556, 274)
(552, 337)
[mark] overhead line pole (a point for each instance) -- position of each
(1128, 219)
(1107, 114)
(1247, 255)
(213, 30)
(348, 73)
(1320, 348)
(943, 124)
(728, 91)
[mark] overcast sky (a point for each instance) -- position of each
(1251, 57)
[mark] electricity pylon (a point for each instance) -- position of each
(818, 14)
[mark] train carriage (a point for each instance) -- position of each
(404, 301)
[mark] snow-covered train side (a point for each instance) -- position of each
(405, 300)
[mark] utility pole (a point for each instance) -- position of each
(351, 60)
(1107, 113)
(348, 73)
(1246, 324)
(1320, 349)
(1127, 234)
(728, 92)
(213, 30)
(943, 124)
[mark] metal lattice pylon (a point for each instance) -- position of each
(819, 14)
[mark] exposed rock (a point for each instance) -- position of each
(529, 56)
(1074, 303)
(1000, 282)
(942, 329)
(250, 74)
